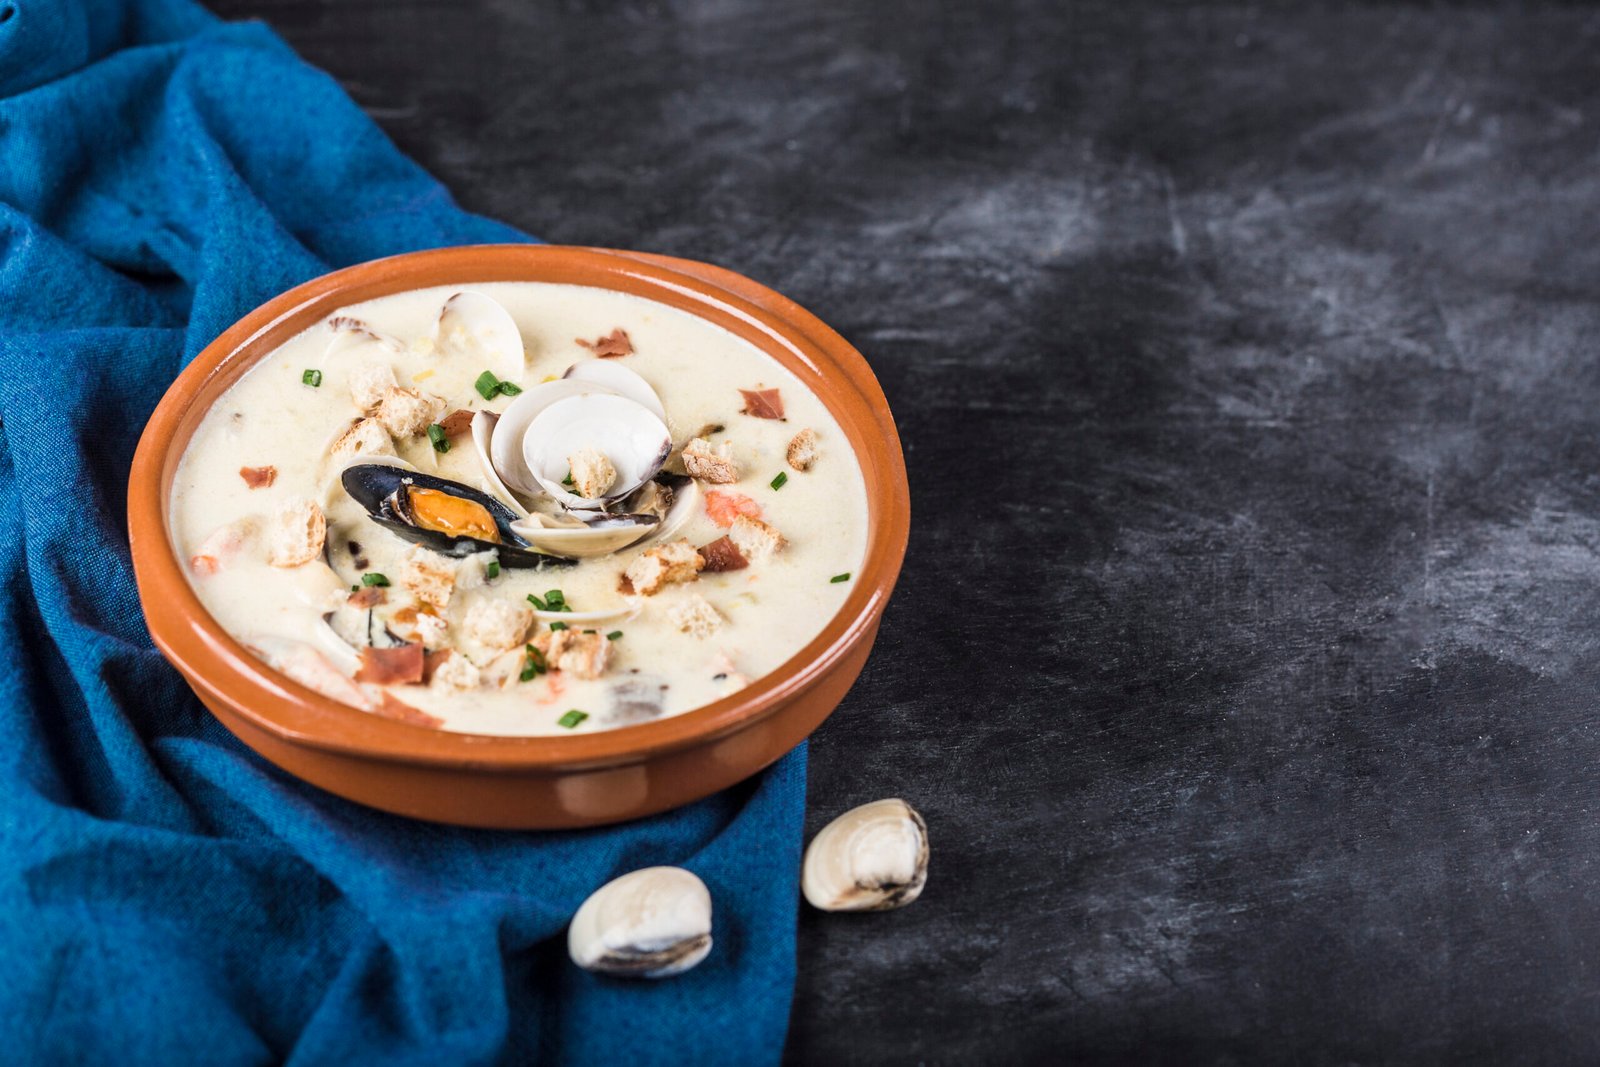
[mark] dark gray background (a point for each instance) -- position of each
(1246, 363)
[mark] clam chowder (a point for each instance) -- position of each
(520, 508)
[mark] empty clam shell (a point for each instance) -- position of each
(476, 326)
(599, 537)
(483, 424)
(352, 334)
(649, 923)
(627, 433)
(871, 858)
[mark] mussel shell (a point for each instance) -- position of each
(376, 487)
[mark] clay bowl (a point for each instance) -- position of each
(516, 782)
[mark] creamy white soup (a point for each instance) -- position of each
(520, 508)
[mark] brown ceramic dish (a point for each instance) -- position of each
(523, 782)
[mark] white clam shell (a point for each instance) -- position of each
(579, 541)
(505, 439)
(618, 379)
(871, 858)
(649, 923)
(472, 325)
(629, 434)
(355, 335)
(483, 424)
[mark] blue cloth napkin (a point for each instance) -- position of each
(165, 895)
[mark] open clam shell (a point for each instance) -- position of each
(503, 453)
(618, 379)
(598, 537)
(384, 491)
(476, 326)
(627, 433)
(483, 424)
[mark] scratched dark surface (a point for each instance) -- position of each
(1248, 366)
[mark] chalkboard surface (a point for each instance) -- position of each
(1247, 361)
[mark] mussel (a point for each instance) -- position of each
(445, 516)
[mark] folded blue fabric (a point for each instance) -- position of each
(165, 895)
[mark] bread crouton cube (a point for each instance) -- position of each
(756, 540)
(456, 671)
(407, 412)
(710, 464)
(369, 384)
(584, 655)
(429, 576)
(662, 565)
(592, 472)
(695, 617)
(803, 450)
(497, 624)
(297, 532)
(365, 437)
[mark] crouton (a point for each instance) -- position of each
(756, 540)
(365, 437)
(369, 384)
(803, 450)
(455, 671)
(585, 655)
(296, 534)
(695, 617)
(429, 576)
(407, 412)
(710, 464)
(592, 472)
(497, 624)
(662, 565)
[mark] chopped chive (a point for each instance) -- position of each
(533, 665)
(591, 631)
(572, 718)
(557, 626)
(440, 439)
(613, 635)
(567, 481)
(487, 385)
(355, 588)
(312, 378)
(557, 600)
(533, 599)
(845, 577)
(777, 483)
(508, 388)
(491, 570)
(374, 578)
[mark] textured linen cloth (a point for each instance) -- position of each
(166, 896)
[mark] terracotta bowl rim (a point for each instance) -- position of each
(212, 660)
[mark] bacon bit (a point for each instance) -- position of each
(432, 661)
(723, 555)
(389, 666)
(614, 344)
(206, 565)
(725, 507)
(762, 403)
(624, 584)
(399, 710)
(258, 477)
(457, 422)
(368, 597)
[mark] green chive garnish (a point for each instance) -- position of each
(572, 718)
(557, 626)
(312, 378)
(613, 635)
(492, 570)
(567, 481)
(440, 439)
(533, 599)
(783, 476)
(837, 578)
(509, 388)
(534, 665)
(487, 385)
(374, 578)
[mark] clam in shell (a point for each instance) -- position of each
(871, 858)
(650, 923)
